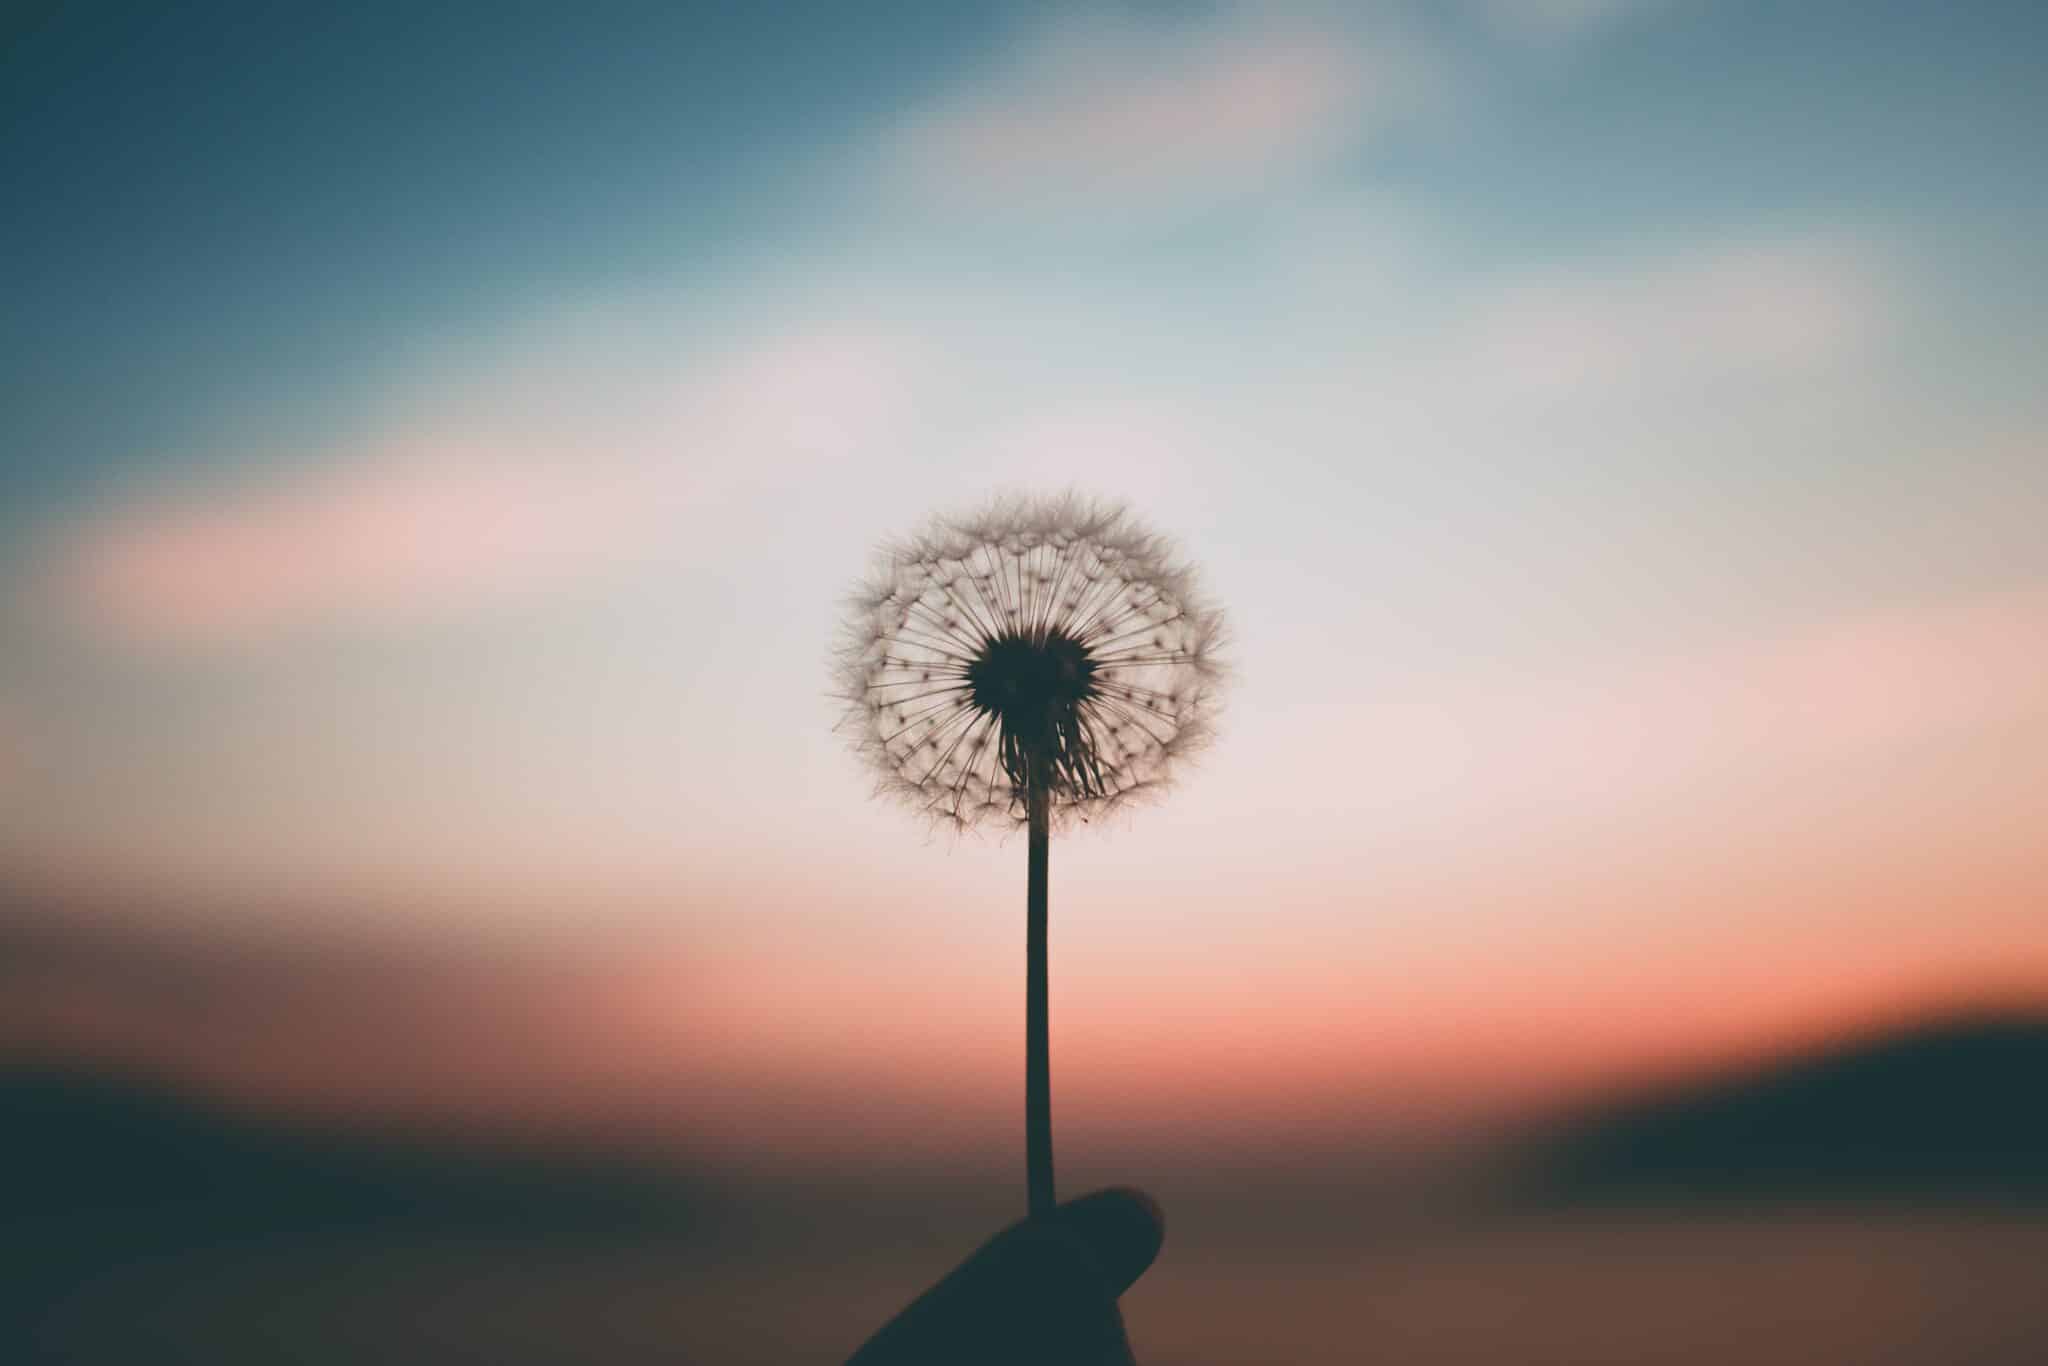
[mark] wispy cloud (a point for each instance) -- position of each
(1746, 311)
(415, 530)
(1750, 713)
(1116, 114)
(463, 514)
(1556, 23)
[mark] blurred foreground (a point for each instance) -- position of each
(1842, 1287)
(1881, 1201)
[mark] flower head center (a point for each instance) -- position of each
(1035, 687)
(1032, 684)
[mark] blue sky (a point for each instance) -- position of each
(226, 212)
(436, 444)
(433, 449)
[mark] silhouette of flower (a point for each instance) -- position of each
(1048, 631)
(1039, 660)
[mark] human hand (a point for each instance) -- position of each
(1041, 1292)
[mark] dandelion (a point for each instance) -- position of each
(1039, 662)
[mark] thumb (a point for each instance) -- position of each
(1121, 1230)
(1041, 1291)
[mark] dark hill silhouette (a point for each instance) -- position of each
(90, 1147)
(1953, 1111)
(111, 1181)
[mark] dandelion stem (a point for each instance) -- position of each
(1037, 1065)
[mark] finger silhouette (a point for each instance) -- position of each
(1040, 1292)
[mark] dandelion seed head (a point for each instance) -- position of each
(1054, 634)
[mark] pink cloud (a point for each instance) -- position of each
(1576, 746)
(1860, 685)
(438, 522)
(405, 532)
(1137, 110)
(1772, 308)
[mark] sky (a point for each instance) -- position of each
(434, 450)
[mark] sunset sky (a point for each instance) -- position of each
(433, 450)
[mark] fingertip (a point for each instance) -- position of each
(1122, 1227)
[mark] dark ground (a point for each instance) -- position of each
(1882, 1203)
